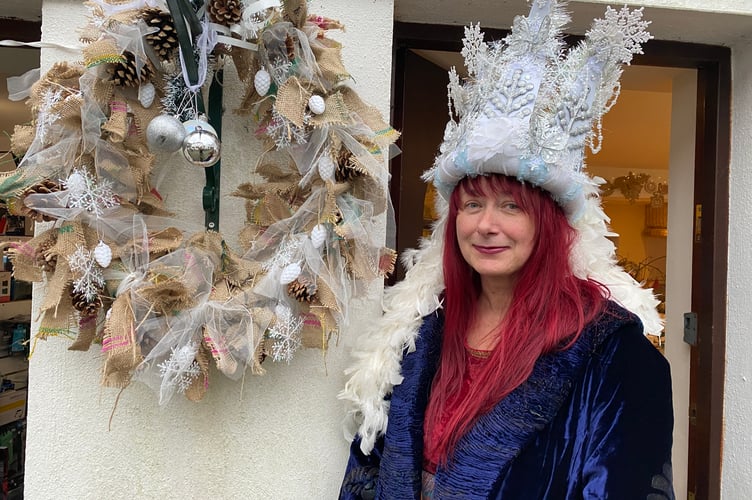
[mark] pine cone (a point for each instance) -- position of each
(346, 167)
(44, 259)
(226, 12)
(124, 73)
(87, 307)
(303, 289)
(45, 187)
(164, 41)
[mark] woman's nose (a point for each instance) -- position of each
(487, 222)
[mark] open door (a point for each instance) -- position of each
(697, 216)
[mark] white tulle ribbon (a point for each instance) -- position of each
(19, 87)
(205, 44)
(38, 45)
(250, 24)
(224, 35)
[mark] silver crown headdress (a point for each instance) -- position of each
(529, 111)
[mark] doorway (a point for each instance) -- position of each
(15, 306)
(685, 188)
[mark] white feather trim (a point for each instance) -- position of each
(594, 256)
(379, 351)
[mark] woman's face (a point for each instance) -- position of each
(495, 236)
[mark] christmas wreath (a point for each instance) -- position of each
(164, 301)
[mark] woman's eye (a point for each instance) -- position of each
(472, 204)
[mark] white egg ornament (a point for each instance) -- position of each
(103, 254)
(289, 273)
(262, 81)
(318, 235)
(316, 104)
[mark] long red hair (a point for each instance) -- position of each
(549, 308)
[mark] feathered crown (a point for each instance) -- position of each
(527, 110)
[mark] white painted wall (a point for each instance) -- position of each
(272, 437)
(737, 444)
(278, 436)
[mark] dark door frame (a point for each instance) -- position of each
(20, 30)
(710, 246)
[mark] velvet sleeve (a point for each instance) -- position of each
(362, 472)
(628, 450)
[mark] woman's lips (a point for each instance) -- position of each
(489, 250)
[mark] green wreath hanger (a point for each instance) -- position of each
(165, 301)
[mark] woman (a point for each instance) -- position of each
(502, 368)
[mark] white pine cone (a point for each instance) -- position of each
(103, 254)
(318, 235)
(289, 273)
(262, 81)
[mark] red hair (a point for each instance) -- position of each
(549, 308)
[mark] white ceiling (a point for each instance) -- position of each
(699, 25)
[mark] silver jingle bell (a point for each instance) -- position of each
(201, 146)
(165, 134)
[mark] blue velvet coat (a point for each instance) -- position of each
(594, 421)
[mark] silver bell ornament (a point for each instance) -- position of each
(165, 134)
(201, 146)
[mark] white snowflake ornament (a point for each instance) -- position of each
(316, 104)
(290, 273)
(103, 254)
(180, 369)
(262, 81)
(326, 168)
(88, 278)
(88, 194)
(285, 333)
(318, 235)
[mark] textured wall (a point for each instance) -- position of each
(737, 446)
(720, 6)
(277, 436)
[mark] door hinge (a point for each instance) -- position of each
(690, 328)
(692, 415)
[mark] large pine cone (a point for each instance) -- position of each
(165, 40)
(226, 12)
(124, 73)
(347, 168)
(45, 187)
(44, 259)
(87, 307)
(303, 289)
